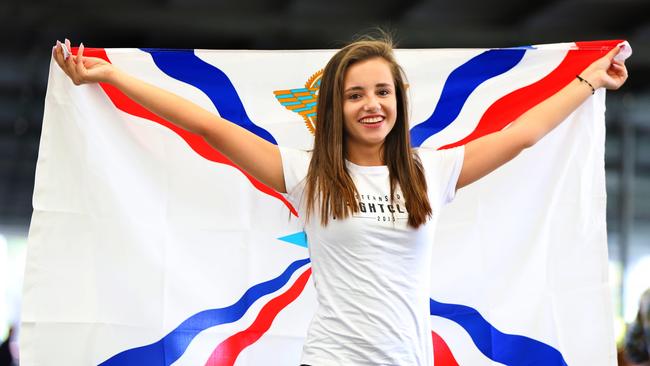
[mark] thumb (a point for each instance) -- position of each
(613, 52)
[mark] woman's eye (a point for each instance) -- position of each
(384, 92)
(354, 96)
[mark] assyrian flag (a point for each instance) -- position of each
(148, 247)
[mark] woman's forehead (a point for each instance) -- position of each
(369, 73)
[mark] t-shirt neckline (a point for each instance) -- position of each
(366, 169)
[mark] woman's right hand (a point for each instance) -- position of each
(80, 69)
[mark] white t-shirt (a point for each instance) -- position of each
(372, 271)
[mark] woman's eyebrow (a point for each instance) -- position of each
(383, 85)
(353, 88)
(378, 85)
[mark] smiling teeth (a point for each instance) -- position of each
(371, 120)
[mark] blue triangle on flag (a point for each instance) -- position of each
(299, 238)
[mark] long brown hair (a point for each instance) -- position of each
(328, 181)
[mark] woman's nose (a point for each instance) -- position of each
(372, 104)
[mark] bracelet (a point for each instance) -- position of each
(593, 90)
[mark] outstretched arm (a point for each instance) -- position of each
(489, 152)
(256, 156)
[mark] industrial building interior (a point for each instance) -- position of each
(31, 27)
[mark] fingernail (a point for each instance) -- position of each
(81, 45)
(58, 43)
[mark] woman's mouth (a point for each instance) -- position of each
(372, 121)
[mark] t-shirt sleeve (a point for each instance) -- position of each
(442, 169)
(295, 164)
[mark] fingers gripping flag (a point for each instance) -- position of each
(149, 247)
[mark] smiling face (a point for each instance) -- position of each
(369, 104)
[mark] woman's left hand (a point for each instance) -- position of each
(606, 72)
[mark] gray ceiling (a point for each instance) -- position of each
(31, 27)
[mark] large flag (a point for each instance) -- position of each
(148, 247)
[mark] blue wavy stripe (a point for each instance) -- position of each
(460, 84)
(185, 66)
(171, 347)
(508, 349)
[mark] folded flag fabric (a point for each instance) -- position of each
(149, 247)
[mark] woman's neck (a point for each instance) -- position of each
(365, 155)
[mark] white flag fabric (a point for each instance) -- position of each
(148, 247)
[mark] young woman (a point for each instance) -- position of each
(369, 275)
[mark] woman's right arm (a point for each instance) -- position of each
(256, 156)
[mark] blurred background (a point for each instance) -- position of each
(31, 28)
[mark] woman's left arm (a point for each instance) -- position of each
(489, 152)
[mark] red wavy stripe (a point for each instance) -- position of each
(227, 352)
(442, 355)
(513, 105)
(198, 144)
